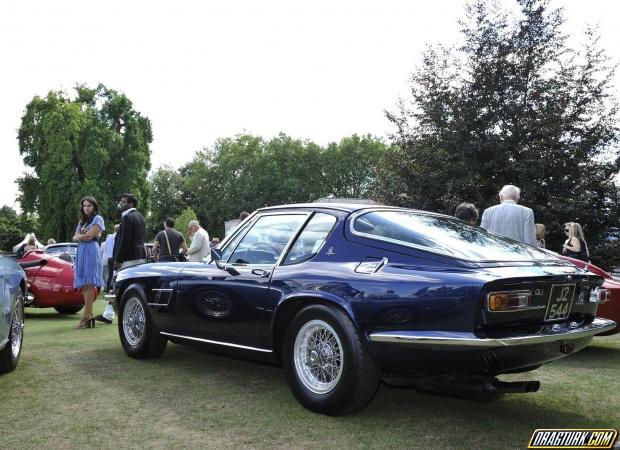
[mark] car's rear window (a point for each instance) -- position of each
(444, 235)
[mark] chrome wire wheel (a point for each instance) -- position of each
(318, 356)
(134, 321)
(17, 328)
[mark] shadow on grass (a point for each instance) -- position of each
(47, 315)
(184, 382)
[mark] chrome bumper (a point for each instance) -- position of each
(550, 333)
(112, 299)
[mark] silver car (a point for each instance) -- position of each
(12, 294)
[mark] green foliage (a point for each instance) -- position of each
(13, 228)
(182, 221)
(248, 172)
(94, 144)
(166, 197)
(10, 232)
(350, 167)
(513, 105)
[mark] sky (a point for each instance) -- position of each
(203, 70)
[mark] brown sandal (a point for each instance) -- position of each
(86, 322)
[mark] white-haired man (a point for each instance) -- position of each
(510, 219)
(200, 242)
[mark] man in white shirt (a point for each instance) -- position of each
(200, 242)
(108, 255)
(107, 250)
(510, 219)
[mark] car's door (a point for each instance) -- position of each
(226, 304)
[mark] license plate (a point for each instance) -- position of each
(560, 301)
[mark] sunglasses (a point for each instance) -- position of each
(566, 230)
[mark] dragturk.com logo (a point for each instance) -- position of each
(573, 438)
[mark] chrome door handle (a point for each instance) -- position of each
(260, 272)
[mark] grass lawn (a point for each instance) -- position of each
(76, 388)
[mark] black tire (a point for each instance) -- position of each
(9, 355)
(358, 378)
(139, 336)
(68, 309)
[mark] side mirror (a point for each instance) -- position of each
(216, 256)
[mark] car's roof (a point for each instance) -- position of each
(346, 207)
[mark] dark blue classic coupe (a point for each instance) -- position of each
(344, 296)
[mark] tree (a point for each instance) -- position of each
(513, 105)
(94, 144)
(167, 198)
(13, 228)
(350, 167)
(181, 223)
(246, 173)
(10, 232)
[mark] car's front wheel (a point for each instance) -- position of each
(68, 309)
(9, 355)
(139, 336)
(326, 365)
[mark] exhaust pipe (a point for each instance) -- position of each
(472, 387)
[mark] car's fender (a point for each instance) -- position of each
(289, 306)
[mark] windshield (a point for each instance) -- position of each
(445, 235)
(71, 249)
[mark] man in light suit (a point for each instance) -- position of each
(510, 219)
(201, 245)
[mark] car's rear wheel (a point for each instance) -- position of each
(9, 355)
(68, 309)
(326, 365)
(139, 336)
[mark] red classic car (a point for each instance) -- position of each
(609, 309)
(51, 284)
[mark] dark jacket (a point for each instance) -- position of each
(129, 243)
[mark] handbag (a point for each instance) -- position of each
(177, 257)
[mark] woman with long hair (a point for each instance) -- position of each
(88, 259)
(575, 245)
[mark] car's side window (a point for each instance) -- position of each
(267, 239)
(230, 247)
(311, 238)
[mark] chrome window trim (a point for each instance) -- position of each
(286, 248)
(232, 237)
(300, 231)
(374, 237)
(209, 341)
(470, 340)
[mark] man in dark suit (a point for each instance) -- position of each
(129, 242)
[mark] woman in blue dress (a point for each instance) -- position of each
(88, 258)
